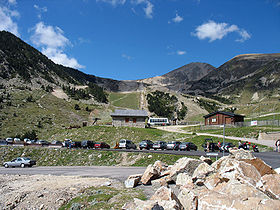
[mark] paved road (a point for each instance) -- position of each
(120, 173)
(178, 129)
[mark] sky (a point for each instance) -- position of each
(137, 39)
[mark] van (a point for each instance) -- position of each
(126, 144)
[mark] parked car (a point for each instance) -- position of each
(159, 145)
(100, 145)
(3, 142)
(126, 144)
(187, 146)
(43, 142)
(66, 143)
(87, 144)
(173, 145)
(16, 140)
(25, 140)
(58, 143)
(76, 144)
(20, 162)
(212, 146)
(9, 140)
(31, 141)
(146, 144)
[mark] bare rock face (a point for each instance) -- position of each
(206, 160)
(261, 166)
(183, 179)
(201, 172)
(149, 174)
(188, 198)
(241, 154)
(239, 170)
(153, 172)
(184, 165)
(132, 181)
(271, 185)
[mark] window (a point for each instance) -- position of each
(214, 120)
(134, 120)
(126, 120)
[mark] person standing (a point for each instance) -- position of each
(208, 146)
(277, 145)
(240, 144)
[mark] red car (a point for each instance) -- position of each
(100, 145)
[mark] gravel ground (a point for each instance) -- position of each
(44, 191)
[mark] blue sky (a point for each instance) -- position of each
(136, 39)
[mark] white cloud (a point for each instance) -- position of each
(181, 52)
(13, 2)
(244, 35)
(128, 57)
(40, 10)
(113, 2)
(52, 41)
(213, 31)
(148, 9)
(177, 19)
(6, 20)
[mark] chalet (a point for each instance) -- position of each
(131, 118)
(220, 118)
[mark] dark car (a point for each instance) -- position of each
(3, 142)
(146, 144)
(76, 144)
(101, 145)
(173, 145)
(159, 145)
(43, 142)
(87, 144)
(20, 162)
(187, 146)
(212, 146)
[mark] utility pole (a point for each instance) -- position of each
(224, 139)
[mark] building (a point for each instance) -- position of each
(220, 118)
(131, 118)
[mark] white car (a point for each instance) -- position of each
(126, 144)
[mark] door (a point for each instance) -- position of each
(228, 120)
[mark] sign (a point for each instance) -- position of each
(212, 154)
(255, 122)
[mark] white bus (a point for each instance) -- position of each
(158, 121)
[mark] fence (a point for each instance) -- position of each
(259, 123)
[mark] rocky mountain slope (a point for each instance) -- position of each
(22, 64)
(178, 79)
(251, 72)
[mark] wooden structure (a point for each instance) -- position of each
(221, 118)
(130, 118)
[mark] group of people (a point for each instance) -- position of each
(246, 145)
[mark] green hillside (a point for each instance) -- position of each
(125, 100)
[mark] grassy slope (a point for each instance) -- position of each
(125, 100)
(52, 113)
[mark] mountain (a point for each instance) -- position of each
(179, 79)
(21, 63)
(249, 72)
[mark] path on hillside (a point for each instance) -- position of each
(178, 129)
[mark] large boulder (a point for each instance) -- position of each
(271, 185)
(132, 181)
(153, 172)
(184, 165)
(260, 165)
(201, 172)
(188, 198)
(241, 154)
(183, 179)
(239, 170)
(166, 194)
(206, 160)
(238, 190)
